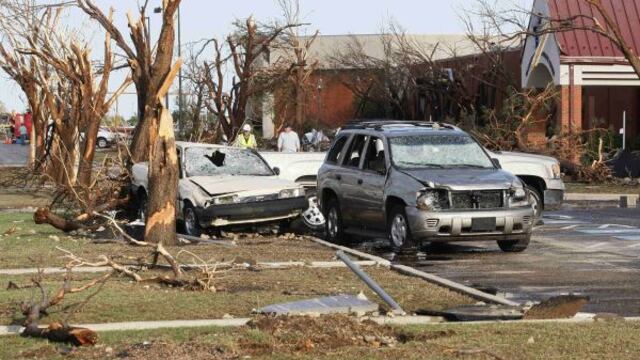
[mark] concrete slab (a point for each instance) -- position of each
(343, 304)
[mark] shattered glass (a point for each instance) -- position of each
(201, 161)
(438, 151)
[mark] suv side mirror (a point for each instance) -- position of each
(496, 162)
(276, 170)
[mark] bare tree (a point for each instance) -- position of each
(152, 74)
(248, 50)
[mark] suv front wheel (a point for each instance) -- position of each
(514, 245)
(333, 222)
(399, 231)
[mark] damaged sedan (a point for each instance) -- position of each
(420, 182)
(222, 187)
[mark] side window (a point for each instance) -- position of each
(374, 160)
(355, 152)
(336, 150)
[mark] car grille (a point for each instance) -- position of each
(484, 199)
(258, 198)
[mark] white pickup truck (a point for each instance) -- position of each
(540, 174)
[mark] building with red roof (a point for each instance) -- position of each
(596, 81)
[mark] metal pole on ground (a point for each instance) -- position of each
(370, 282)
(624, 130)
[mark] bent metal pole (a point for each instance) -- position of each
(370, 282)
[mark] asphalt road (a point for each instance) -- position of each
(593, 252)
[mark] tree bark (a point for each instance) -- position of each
(160, 226)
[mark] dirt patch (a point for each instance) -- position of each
(318, 335)
(559, 307)
(171, 350)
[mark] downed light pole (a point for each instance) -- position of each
(397, 310)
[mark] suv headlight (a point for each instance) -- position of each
(291, 193)
(518, 197)
(555, 169)
(225, 200)
(432, 200)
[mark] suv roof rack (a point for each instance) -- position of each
(380, 124)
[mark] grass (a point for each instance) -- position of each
(239, 292)
(607, 188)
(34, 245)
(603, 340)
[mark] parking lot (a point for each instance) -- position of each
(581, 251)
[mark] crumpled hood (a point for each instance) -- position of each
(218, 185)
(464, 179)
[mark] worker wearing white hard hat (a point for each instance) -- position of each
(246, 139)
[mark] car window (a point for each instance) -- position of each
(336, 150)
(438, 151)
(204, 161)
(374, 159)
(355, 152)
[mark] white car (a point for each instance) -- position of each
(105, 138)
(540, 174)
(223, 186)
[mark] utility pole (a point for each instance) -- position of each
(180, 108)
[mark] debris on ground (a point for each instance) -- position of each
(339, 304)
(477, 313)
(558, 307)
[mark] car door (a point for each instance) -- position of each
(349, 176)
(370, 181)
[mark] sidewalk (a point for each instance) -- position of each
(13, 155)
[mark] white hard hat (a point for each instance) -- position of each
(246, 127)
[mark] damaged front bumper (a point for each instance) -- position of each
(251, 213)
(444, 226)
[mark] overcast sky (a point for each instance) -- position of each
(212, 18)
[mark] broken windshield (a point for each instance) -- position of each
(439, 151)
(202, 161)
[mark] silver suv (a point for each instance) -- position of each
(420, 181)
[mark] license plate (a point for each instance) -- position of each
(483, 224)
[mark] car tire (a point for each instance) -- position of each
(334, 229)
(191, 223)
(536, 202)
(514, 246)
(398, 229)
(102, 143)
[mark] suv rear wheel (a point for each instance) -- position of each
(398, 229)
(514, 245)
(333, 222)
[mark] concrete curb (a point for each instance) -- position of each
(360, 254)
(266, 265)
(631, 199)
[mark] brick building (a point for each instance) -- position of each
(596, 82)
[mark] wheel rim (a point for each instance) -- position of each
(190, 222)
(332, 222)
(313, 217)
(399, 230)
(102, 143)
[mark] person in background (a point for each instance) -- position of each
(23, 134)
(288, 141)
(28, 122)
(246, 139)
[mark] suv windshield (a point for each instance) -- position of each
(438, 151)
(203, 161)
